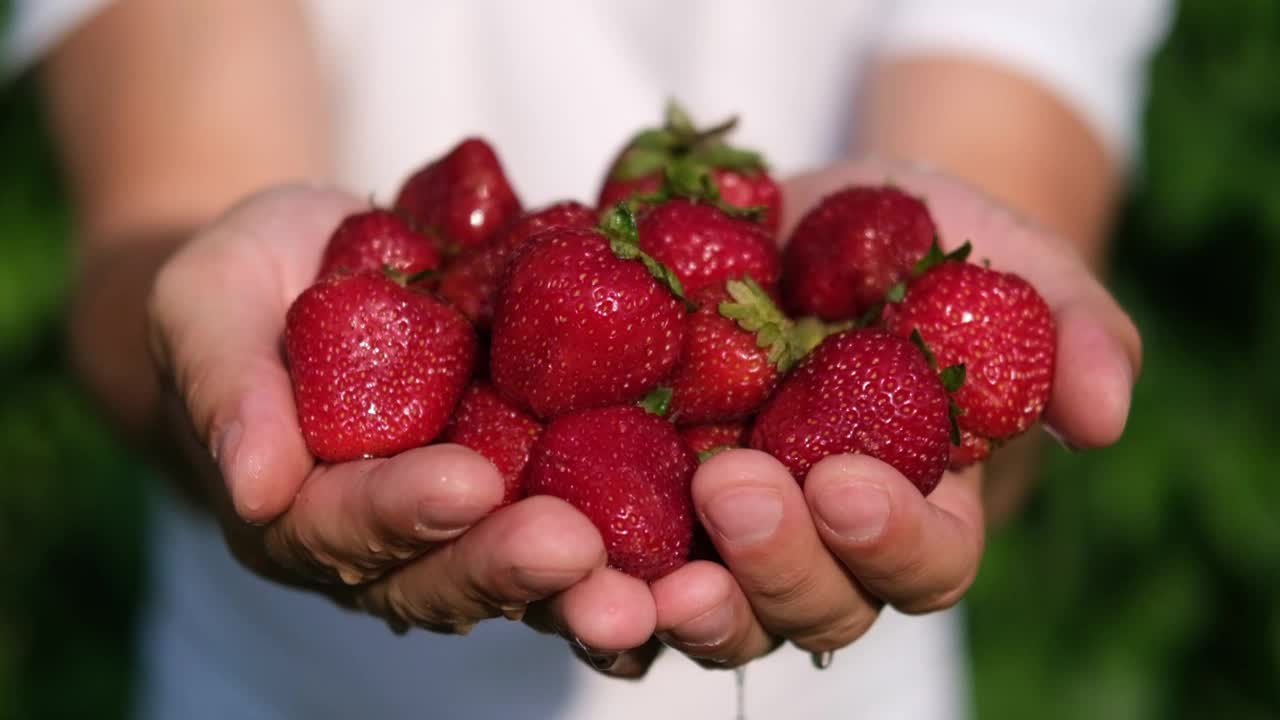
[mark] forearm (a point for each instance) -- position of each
(1001, 133)
(108, 332)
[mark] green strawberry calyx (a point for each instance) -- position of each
(932, 259)
(952, 377)
(658, 401)
(754, 311)
(407, 279)
(619, 227)
(653, 149)
(898, 291)
(705, 455)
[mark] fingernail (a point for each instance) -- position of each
(599, 660)
(710, 629)
(856, 511)
(1059, 438)
(745, 516)
(514, 612)
(243, 484)
(225, 446)
(436, 517)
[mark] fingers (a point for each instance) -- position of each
(1098, 358)
(216, 313)
(608, 612)
(756, 515)
(355, 520)
(918, 554)
(704, 614)
(523, 553)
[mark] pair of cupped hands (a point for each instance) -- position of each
(413, 539)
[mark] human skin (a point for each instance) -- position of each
(182, 286)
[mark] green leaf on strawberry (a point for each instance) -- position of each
(619, 226)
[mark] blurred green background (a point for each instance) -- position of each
(1141, 582)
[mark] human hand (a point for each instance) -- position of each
(813, 566)
(410, 538)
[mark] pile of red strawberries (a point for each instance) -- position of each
(599, 354)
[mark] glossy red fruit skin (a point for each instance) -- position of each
(742, 190)
(972, 449)
(723, 374)
(377, 368)
(851, 248)
(705, 247)
(576, 327)
(463, 197)
(630, 474)
(862, 391)
(752, 189)
(705, 438)
(375, 240)
(616, 191)
(999, 327)
(471, 281)
(489, 425)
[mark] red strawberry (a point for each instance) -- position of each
(706, 247)
(1001, 330)
(485, 423)
(747, 190)
(375, 240)
(628, 471)
(736, 347)
(377, 368)
(471, 281)
(851, 248)
(577, 326)
(860, 391)
(706, 440)
(972, 449)
(741, 175)
(463, 197)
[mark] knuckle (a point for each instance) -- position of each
(423, 610)
(837, 632)
(941, 599)
(786, 587)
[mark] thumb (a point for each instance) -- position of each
(216, 315)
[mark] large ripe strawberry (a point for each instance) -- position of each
(851, 248)
(741, 175)
(1001, 330)
(462, 198)
(489, 425)
(860, 391)
(377, 368)
(736, 348)
(629, 472)
(378, 239)
(583, 321)
(471, 281)
(706, 247)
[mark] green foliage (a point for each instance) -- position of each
(1142, 582)
(71, 501)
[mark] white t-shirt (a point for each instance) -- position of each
(557, 86)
